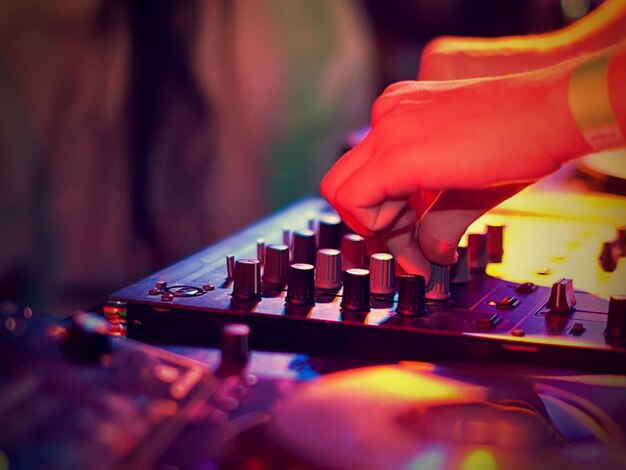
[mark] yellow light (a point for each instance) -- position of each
(401, 384)
(479, 459)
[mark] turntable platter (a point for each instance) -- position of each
(422, 416)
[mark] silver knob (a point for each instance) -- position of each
(382, 274)
(439, 285)
(328, 269)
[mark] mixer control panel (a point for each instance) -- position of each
(305, 283)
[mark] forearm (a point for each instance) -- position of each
(589, 100)
(456, 57)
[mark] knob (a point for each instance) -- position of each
(329, 232)
(276, 267)
(460, 271)
(478, 250)
(234, 343)
(303, 247)
(260, 250)
(230, 266)
(87, 339)
(616, 322)
(412, 295)
(301, 285)
(621, 240)
(608, 259)
(356, 290)
(247, 279)
(439, 285)
(495, 243)
(352, 251)
(382, 274)
(328, 269)
(562, 298)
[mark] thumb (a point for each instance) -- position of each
(445, 222)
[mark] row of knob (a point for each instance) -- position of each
(358, 284)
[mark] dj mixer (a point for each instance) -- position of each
(298, 344)
(530, 287)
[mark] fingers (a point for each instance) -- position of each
(405, 249)
(445, 222)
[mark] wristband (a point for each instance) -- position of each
(588, 97)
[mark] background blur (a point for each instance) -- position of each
(133, 133)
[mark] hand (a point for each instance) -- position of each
(479, 140)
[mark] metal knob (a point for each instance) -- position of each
(412, 295)
(276, 267)
(303, 247)
(247, 284)
(301, 286)
(352, 252)
(328, 269)
(382, 274)
(439, 285)
(356, 290)
(329, 232)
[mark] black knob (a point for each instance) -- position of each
(460, 271)
(87, 339)
(412, 295)
(329, 232)
(276, 267)
(478, 250)
(609, 256)
(356, 290)
(495, 243)
(234, 343)
(303, 247)
(301, 286)
(616, 322)
(352, 252)
(247, 279)
(562, 298)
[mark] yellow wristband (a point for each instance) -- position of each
(588, 96)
